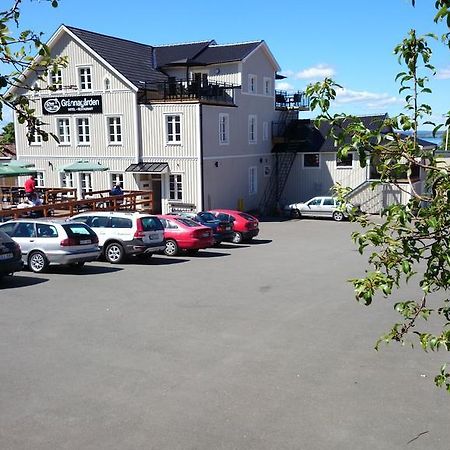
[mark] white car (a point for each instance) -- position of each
(124, 233)
(316, 207)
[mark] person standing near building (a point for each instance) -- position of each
(30, 187)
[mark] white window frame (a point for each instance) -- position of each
(117, 136)
(55, 80)
(252, 129)
(268, 86)
(252, 83)
(177, 191)
(67, 180)
(116, 178)
(167, 119)
(85, 188)
(40, 179)
(224, 129)
(66, 127)
(36, 137)
(311, 167)
(265, 131)
(252, 180)
(345, 167)
(83, 118)
(84, 80)
(107, 84)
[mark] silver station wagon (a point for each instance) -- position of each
(316, 207)
(51, 241)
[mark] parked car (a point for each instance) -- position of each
(10, 255)
(245, 226)
(222, 229)
(316, 207)
(51, 241)
(124, 234)
(182, 233)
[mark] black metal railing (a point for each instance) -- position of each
(182, 90)
(297, 100)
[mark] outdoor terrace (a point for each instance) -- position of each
(296, 101)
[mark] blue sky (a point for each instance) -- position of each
(350, 40)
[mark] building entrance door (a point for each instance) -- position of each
(151, 182)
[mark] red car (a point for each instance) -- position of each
(245, 225)
(182, 233)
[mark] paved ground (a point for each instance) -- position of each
(243, 347)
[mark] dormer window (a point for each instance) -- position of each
(56, 80)
(85, 78)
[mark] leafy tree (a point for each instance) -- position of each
(412, 244)
(7, 135)
(18, 50)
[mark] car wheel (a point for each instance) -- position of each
(237, 237)
(295, 214)
(37, 262)
(171, 248)
(338, 216)
(114, 253)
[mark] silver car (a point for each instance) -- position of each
(45, 242)
(316, 207)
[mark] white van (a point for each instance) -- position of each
(123, 234)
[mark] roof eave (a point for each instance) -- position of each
(266, 49)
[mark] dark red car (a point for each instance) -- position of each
(182, 233)
(245, 225)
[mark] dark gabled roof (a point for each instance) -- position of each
(132, 59)
(172, 53)
(216, 54)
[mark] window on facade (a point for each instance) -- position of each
(107, 84)
(86, 183)
(39, 179)
(267, 86)
(63, 130)
(67, 180)
(56, 80)
(85, 78)
(83, 130)
(116, 179)
(35, 136)
(265, 131)
(252, 129)
(114, 130)
(346, 161)
(173, 129)
(252, 84)
(175, 187)
(252, 180)
(311, 160)
(224, 132)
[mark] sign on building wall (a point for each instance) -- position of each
(86, 104)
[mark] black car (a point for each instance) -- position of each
(222, 230)
(10, 256)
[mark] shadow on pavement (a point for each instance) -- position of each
(209, 254)
(260, 241)
(88, 269)
(18, 281)
(230, 246)
(157, 260)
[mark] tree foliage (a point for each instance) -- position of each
(7, 135)
(412, 242)
(23, 51)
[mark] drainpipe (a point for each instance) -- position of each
(200, 174)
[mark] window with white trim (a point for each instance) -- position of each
(85, 78)
(83, 130)
(346, 162)
(114, 125)
(56, 80)
(67, 180)
(252, 180)
(86, 183)
(252, 139)
(173, 129)
(224, 129)
(252, 84)
(311, 160)
(63, 130)
(265, 131)
(107, 84)
(36, 136)
(267, 86)
(176, 187)
(39, 179)
(116, 179)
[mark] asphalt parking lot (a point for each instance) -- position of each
(258, 346)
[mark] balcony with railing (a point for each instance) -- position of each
(295, 101)
(182, 90)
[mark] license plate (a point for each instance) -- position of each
(85, 241)
(6, 256)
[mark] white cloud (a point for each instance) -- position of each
(284, 86)
(371, 99)
(443, 74)
(315, 73)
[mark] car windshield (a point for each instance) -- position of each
(77, 230)
(187, 222)
(207, 216)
